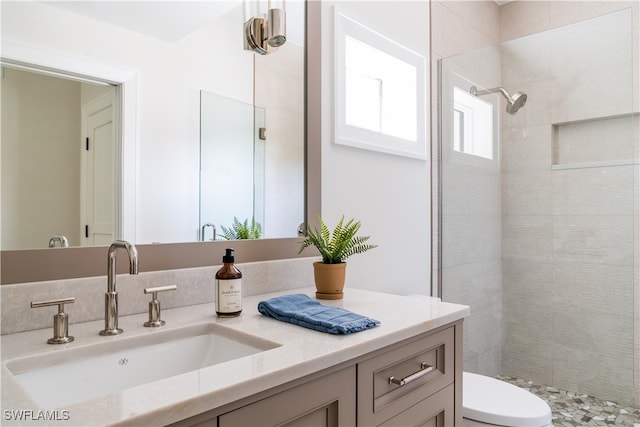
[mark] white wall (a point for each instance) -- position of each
(283, 101)
(388, 194)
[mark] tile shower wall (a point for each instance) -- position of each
(539, 203)
(471, 201)
(471, 225)
(568, 206)
(456, 27)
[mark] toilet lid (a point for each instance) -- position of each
(492, 401)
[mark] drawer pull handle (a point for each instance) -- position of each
(424, 370)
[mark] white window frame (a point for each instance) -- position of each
(354, 136)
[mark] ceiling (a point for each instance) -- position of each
(169, 21)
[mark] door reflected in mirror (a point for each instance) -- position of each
(59, 168)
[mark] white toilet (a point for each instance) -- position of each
(488, 401)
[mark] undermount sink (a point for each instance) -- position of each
(69, 376)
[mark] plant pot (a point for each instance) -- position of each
(329, 279)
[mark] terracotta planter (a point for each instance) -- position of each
(329, 279)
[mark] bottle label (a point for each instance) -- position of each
(228, 295)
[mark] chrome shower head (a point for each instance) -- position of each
(514, 102)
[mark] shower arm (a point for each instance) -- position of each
(474, 91)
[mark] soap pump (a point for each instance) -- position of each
(228, 287)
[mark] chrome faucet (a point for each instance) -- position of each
(61, 241)
(111, 296)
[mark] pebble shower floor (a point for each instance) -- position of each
(579, 410)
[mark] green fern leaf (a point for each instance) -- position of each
(336, 245)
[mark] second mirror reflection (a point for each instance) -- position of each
(251, 171)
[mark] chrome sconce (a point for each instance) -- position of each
(265, 31)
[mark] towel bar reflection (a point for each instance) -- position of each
(204, 227)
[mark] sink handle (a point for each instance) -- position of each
(154, 305)
(60, 320)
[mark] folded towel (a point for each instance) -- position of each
(301, 310)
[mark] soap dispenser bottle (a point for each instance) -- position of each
(228, 288)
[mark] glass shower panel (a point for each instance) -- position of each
(227, 156)
(542, 241)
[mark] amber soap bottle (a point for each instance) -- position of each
(228, 287)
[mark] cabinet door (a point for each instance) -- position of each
(436, 411)
(326, 401)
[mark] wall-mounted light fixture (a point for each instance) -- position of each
(264, 30)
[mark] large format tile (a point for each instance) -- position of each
(526, 59)
(593, 191)
(593, 287)
(599, 43)
(527, 237)
(589, 94)
(527, 150)
(527, 193)
(471, 190)
(521, 18)
(470, 238)
(593, 239)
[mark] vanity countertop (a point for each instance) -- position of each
(301, 352)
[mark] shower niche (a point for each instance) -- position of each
(598, 142)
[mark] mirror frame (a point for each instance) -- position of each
(24, 266)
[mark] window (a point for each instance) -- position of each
(380, 92)
(472, 124)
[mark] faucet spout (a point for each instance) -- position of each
(111, 296)
(61, 241)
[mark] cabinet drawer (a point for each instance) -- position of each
(398, 378)
(434, 411)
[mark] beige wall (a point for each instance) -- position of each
(40, 126)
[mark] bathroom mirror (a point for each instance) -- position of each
(170, 53)
(162, 169)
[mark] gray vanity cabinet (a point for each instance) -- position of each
(416, 382)
(328, 401)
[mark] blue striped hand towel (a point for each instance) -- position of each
(301, 310)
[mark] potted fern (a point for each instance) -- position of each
(334, 247)
(242, 230)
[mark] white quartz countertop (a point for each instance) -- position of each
(301, 352)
